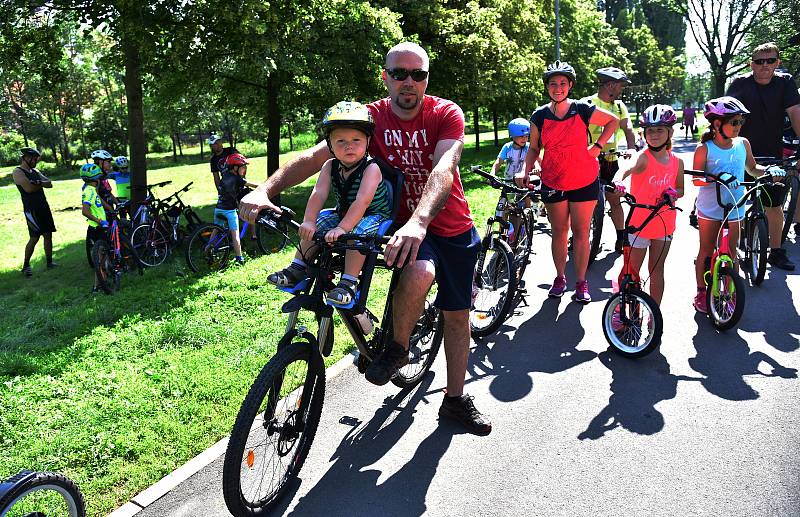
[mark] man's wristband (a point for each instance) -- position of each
(598, 145)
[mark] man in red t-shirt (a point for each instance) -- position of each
(422, 136)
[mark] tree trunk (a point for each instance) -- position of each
(133, 92)
(200, 139)
(174, 150)
(273, 127)
(180, 146)
(719, 82)
(494, 123)
(229, 131)
(289, 130)
(476, 122)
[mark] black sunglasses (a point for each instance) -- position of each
(766, 61)
(400, 74)
(735, 122)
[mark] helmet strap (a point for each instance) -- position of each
(721, 131)
(657, 148)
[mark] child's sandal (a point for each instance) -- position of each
(342, 295)
(287, 277)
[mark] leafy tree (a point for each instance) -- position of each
(778, 23)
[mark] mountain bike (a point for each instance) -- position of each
(632, 320)
(754, 237)
(114, 256)
(210, 246)
(40, 494)
(504, 256)
(598, 216)
(278, 419)
(725, 293)
(144, 211)
(792, 182)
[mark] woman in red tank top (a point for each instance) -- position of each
(569, 171)
(657, 171)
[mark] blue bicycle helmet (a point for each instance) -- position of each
(519, 127)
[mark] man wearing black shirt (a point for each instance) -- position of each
(218, 157)
(768, 94)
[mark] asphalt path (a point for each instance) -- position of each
(707, 425)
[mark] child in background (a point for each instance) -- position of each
(93, 209)
(121, 177)
(230, 187)
(657, 171)
(362, 199)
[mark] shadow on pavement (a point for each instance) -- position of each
(404, 492)
(549, 337)
(724, 359)
(780, 326)
(637, 385)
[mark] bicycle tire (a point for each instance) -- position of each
(150, 245)
(726, 309)
(758, 242)
(269, 240)
(426, 339)
(129, 256)
(790, 206)
(524, 243)
(249, 438)
(103, 267)
(596, 231)
(26, 483)
(201, 255)
(639, 323)
(498, 280)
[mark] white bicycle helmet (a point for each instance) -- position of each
(723, 107)
(101, 154)
(658, 115)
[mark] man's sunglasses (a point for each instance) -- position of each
(766, 61)
(736, 122)
(400, 74)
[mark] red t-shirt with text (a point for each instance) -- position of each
(409, 146)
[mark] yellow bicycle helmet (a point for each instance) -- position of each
(347, 114)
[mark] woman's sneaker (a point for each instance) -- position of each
(699, 302)
(582, 292)
(558, 287)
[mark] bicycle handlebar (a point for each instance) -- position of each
(498, 183)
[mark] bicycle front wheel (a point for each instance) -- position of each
(150, 245)
(790, 206)
(596, 230)
(524, 242)
(103, 257)
(726, 306)
(423, 347)
(494, 286)
(274, 429)
(209, 248)
(756, 250)
(270, 240)
(40, 493)
(632, 323)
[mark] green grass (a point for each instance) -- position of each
(117, 391)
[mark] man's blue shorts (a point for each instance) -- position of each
(454, 259)
(227, 218)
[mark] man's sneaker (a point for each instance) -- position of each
(777, 257)
(385, 366)
(699, 302)
(582, 292)
(52, 265)
(464, 411)
(558, 288)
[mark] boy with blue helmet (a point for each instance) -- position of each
(122, 177)
(513, 152)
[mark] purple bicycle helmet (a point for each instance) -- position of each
(658, 115)
(724, 107)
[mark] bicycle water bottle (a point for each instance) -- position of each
(364, 322)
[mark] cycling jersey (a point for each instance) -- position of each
(619, 109)
(123, 181)
(409, 146)
(567, 164)
(514, 157)
(90, 197)
(218, 160)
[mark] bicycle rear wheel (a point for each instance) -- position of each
(632, 323)
(209, 248)
(107, 276)
(725, 308)
(423, 347)
(596, 229)
(495, 284)
(150, 244)
(274, 429)
(790, 206)
(40, 493)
